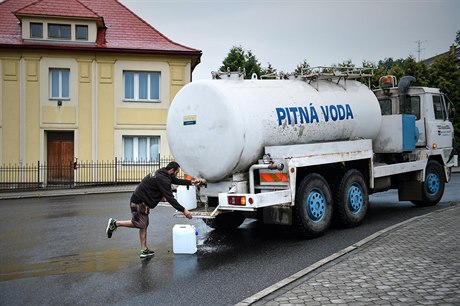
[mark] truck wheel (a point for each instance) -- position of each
(351, 199)
(313, 207)
(230, 220)
(433, 187)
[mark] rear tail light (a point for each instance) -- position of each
(237, 200)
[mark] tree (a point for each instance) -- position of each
(419, 70)
(457, 38)
(346, 64)
(270, 70)
(388, 63)
(305, 66)
(377, 73)
(252, 65)
(238, 57)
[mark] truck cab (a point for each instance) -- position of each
(429, 106)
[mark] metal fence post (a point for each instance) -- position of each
(116, 171)
(38, 175)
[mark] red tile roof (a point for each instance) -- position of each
(124, 31)
(68, 8)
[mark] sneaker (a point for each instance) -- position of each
(146, 253)
(111, 227)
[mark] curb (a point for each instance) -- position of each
(269, 290)
(62, 193)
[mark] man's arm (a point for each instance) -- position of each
(165, 188)
(177, 181)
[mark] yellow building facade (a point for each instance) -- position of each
(95, 112)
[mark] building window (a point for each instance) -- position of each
(141, 86)
(81, 32)
(59, 31)
(36, 30)
(141, 148)
(59, 83)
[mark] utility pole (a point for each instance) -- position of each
(419, 48)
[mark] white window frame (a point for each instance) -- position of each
(60, 96)
(136, 86)
(136, 148)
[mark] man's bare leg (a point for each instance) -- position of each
(143, 238)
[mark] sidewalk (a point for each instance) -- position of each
(66, 192)
(416, 262)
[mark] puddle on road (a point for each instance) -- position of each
(209, 242)
(107, 261)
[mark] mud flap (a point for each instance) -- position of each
(277, 215)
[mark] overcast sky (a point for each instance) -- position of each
(285, 32)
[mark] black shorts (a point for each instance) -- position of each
(140, 212)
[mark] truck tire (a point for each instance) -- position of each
(230, 220)
(433, 187)
(313, 207)
(351, 199)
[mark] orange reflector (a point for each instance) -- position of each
(236, 200)
(435, 146)
(273, 177)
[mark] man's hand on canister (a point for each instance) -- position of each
(187, 214)
(198, 181)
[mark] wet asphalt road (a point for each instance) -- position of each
(55, 251)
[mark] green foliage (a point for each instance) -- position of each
(238, 57)
(346, 64)
(305, 66)
(389, 63)
(418, 70)
(268, 71)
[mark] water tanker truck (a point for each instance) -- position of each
(305, 149)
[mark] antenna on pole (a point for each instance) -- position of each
(419, 48)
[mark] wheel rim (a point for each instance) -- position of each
(355, 198)
(433, 183)
(316, 205)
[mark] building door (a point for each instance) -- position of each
(60, 157)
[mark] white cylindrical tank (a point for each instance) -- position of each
(217, 128)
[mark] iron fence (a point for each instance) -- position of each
(76, 174)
